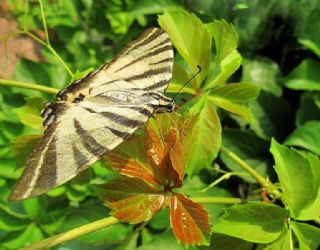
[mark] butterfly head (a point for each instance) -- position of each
(170, 106)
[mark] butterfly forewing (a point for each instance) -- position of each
(98, 112)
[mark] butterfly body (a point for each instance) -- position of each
(98, 112)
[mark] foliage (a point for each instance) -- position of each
(256, 102)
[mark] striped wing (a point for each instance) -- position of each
(77, 138)
(144, 64)
(97, 113)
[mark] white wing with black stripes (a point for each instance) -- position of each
(97, 113)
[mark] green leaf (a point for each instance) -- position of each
(254, 222)
(23, 146)
(203, 143)
(235, 97)
(270, 112)
(163, 241)
(299, 176)
(227, 60)
(237, 92)
(90, 211)
(250, 148)
(81, 74)
(34, 207)
(28, 71)
(225, 242)
(160, 220)
(16, 240)
(29, 114)
(308, 236)
(310, 45)
(11, 223)
(190, 37)
(308, 109)
(306, 76)
(307, 136)
(284, 242)
(263, 72)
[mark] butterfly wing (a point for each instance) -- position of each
(144, 64)
(77, 137)
(92, 118)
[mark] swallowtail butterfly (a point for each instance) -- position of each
(98, 112)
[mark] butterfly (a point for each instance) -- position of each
(98, 112)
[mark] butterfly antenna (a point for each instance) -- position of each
(199, 70)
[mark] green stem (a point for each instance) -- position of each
(218, 200)
(72, 234)
(246, 167)
(226, 176)
(44, 22)
(50, 48)
(269, 186)
(25, 85)
(103, 223)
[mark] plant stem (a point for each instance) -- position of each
(25, 85)
(44, 22)
(218, 200)
(269, 186)
(103, 223)
(246, 167)
(226, 176)
(72, 234)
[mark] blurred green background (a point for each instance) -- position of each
(280, 45)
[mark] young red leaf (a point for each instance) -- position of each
(189, 220)
(131, 160)
(176, 156)
(154, 146)
(131, 200)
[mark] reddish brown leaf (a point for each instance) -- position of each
(131, 160)
(154, 144)
(189, 220)
(176, 157)
(131, 200)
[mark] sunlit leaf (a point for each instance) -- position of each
(299, 176)
(235, 98)
(305, 76)
(284, 241)
(254, 222)
(201, 141)
(29, 114)
(189, 220)
(227, 60)
(131, 200)
(308, 236)
(307, 136)
(130, 159)
(190, 37)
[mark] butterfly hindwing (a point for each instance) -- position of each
(97, 113)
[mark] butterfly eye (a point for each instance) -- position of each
(170, 107)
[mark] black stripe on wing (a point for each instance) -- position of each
(94, 147)
(155, 33)
(148, 73)
(148, 55)
(48, 167)
(120, 119)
